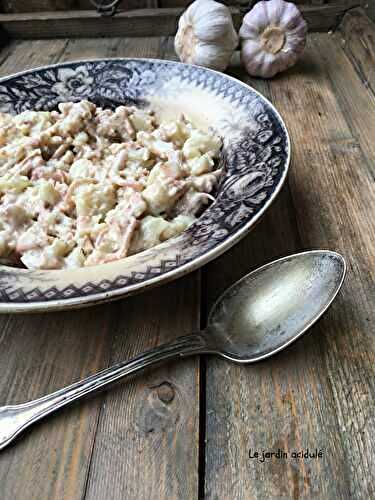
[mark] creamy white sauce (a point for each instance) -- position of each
(84, 186)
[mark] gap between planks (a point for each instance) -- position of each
(318, 392)
(155, 476)
(46, 446)
(356, 34)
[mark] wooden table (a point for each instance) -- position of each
(185, 429)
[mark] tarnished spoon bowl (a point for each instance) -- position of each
(258, 316)
(271, 307)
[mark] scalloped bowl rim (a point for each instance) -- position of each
(197, 262)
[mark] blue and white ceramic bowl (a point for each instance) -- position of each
(255, 155)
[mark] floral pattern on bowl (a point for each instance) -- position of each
(255, 158)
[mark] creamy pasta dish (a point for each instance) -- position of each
(84, 185)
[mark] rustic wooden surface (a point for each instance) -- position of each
(106, 447)
(356, 35)
(21, 6)
(184, 430)
(142, 21)
(12, 6)
(319, 394)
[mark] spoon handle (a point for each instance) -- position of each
(15, 418)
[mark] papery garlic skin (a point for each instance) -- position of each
(206, 35)
(273, 36)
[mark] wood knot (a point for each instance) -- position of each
(165, 392)
(161, 410)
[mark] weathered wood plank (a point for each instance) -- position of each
(343, 220)
(356, 100)
(147, 441)
(88, 23)
(138, 22)
(13, 6)
(369, 8)
(40, 353)
(36, 5)
(358, 41)
(20, 55)
(322, 400)
(161, 412)
(318, 393)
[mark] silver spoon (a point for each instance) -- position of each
(255, 318)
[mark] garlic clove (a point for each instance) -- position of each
(290, 18)
(210, 23)
(275, 12)
(251, 49)
(259, 20)
(263, 13)
(250, 31)
(209, 56)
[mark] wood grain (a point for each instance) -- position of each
(342, 220)
(148, 428)
(357, 100)
(123, 4)
(40, 353)
(138, 22)
(88, 23)
(147, 441)
(148, 435)
(357, 39)
(13, 6)
(36, 5)
(318, 393)
(369, 8)
(141, 440)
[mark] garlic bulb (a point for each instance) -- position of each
(273, 36)
(206, 35)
